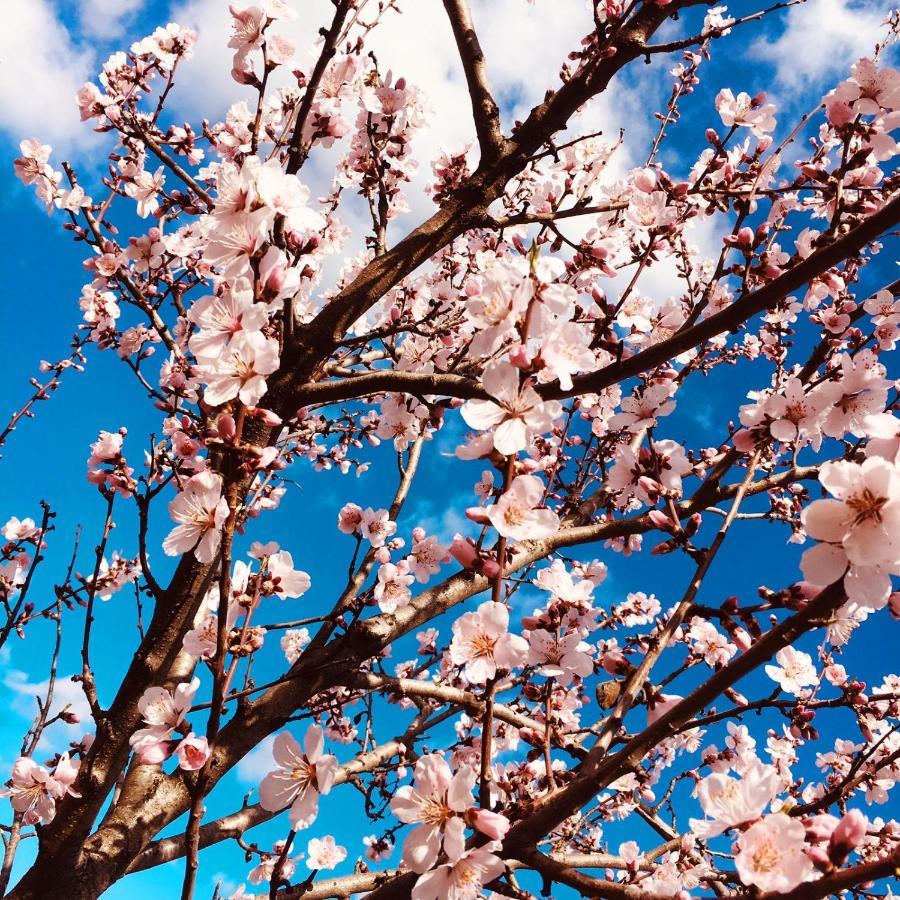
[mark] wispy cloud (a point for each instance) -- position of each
(257, 763)
(821, 40)
(66, 693)
(107, 18)
(41, 69)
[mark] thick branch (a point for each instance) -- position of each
(484, 108)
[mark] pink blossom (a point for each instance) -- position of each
(732, 802)
(747, 111)
(560, 657)
(201, 511)
(324, 853)
(20, 529)
(266, 868)
(771, 854)
(192, 752)
(870, 89)
(859, 528)
(302, 776)
(376, 526)
(516, 413)
(493, 309)
(145, 188)
(162, 711)
(34, 790)
(240, 370)
(565, 352)
(392, 587)
(482, 643)
(377, 849)
(437, 802)
(293, 642)
(516, 514)
(32, 165)
(349, 518)
(649, 210)
(221, 317)
(426, 558)
(461, 879)
(287, 581)
(795, 670)
(247, 24)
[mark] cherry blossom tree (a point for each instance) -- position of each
(505, 715)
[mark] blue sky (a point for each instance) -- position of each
(48, 48)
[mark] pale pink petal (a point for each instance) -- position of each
(823, 564)
(277, 790)
(421, 848)
(827, 520)
(510, 437)
(305, 808)
(286, 751)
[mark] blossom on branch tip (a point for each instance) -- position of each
(201, 511)
(301, 777)
(483, 644)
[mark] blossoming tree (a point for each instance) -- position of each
(498, 707)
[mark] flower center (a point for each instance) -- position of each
(866, 505)
(765, 858)
(435, 812)
(483, 644)
(304, 773)
(514, 516)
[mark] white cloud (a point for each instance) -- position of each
(258, 762)
(205, 86)
(41, 70)
(525, 45)
(106, 18)
(821, 40)
(66, 693)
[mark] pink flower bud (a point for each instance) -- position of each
(226, 427)
(745, 237)
(477, 514)
(660, 519)
(646, 180)
(742, 639)
(820, 828)
(492, 824)
(839, 114)
(490, 568)
(519, 357)
(192, 752)
(464, 552)
(649, 485)
(693, 524)
(819, 858)
(847, 836)
(266, 415)
(894, 604)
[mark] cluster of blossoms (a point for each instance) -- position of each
(164, 713)
(33, 790)
(561, 303)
